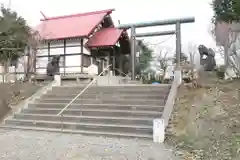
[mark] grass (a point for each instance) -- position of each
(205, 124)
(11, 94)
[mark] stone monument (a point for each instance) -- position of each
(53, 67)
(208, 63)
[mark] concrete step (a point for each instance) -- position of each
(94, 112)
(86, 119)
(98, 106)
(99, 95)
(143, 86)
(134, 82)
(84, 132)
(106, 89)
(143, 129)
(114, 93)
(159, 102)
(154, 92)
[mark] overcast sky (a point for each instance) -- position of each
(129, 11)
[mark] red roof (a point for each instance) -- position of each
(70, 26)
(105, 37)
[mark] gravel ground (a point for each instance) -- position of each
(32, 145)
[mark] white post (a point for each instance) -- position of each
(57, 79)
(103, 65)
(158, 131)
(178, 75)
(91, 58)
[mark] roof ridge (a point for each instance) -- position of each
(79, 14)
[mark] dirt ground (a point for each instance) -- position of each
(205, 124)
(11, 94)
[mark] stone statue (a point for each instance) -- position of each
(209, 62)
(53, 66)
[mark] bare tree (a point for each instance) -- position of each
(192, 51)
(190, 72)
(30, 65)
(226, 35)
(162, 61)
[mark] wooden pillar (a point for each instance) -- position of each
(82, 56)
(102, 65)
(108, 62)
(114, 61)
(120, 62)
(48, 51)
(64, 57)
(34, 61)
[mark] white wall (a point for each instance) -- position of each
(72, 46)
(20, 68)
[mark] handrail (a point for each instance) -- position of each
(169, 105)
(84, 89)
(121, 72)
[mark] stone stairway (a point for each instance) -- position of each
(126, 111)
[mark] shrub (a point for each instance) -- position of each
(221, 71)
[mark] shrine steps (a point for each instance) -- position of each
(122, 111)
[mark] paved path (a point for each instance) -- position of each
(32, 145)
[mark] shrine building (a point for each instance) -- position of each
(81, 40)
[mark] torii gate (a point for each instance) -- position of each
(177, 31)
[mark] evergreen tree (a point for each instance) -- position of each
(183, 58)
(14, 36)
(145, 58)
(226, 10)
